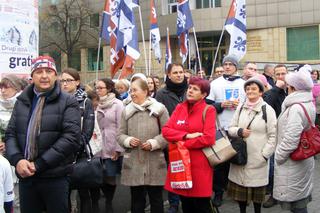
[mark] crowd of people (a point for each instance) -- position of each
(46, 125)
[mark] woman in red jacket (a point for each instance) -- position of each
(186, 124)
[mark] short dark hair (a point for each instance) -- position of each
(110, 85)
(279, 66)
(73, 72)
(172, 65)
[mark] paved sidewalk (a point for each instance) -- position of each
(229, 206)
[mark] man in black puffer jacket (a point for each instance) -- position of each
(42, 139)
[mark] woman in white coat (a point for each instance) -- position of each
(293, 179)
(248, 182)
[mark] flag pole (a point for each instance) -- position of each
(189, 59)
(150, 49)
(143, 41)
(98, 59)
(216, 54)
(196, 41)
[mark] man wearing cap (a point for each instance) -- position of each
(41, 140)
(225, 94)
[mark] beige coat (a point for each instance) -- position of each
(143, 167)
(261, 144)
(293, 179)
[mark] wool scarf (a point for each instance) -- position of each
(179, 89)
(31, 151)
(107, 100)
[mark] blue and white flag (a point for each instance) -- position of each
(155, 32)
(184, 23)
(236, 27)
(127, 35)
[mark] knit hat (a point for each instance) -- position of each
(43, 62)
(300, 80)
(231, 58)
(263, 79)
(14, 81)
(255, 80)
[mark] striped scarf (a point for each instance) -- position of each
(31, 151)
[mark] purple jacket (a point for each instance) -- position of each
(109, 122)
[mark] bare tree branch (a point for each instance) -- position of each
(65, 25)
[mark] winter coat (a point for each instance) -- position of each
(58, 140)
(109, 122)
(169, 99)
(293, 179)
(143, 122)
(261, 144)
(274, 97)
(87, 117)
(183, 121)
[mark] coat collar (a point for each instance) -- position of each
(297, 97)
(28, 94)
(154, 107)
(257, 107)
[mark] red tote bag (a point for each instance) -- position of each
(180, 167)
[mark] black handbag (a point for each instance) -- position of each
(240, 146)
(87, 172)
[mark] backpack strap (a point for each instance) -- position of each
(264, 113)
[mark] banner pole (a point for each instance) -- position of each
(143, 41)
(196, 41)
(98, 59)
(216, 54)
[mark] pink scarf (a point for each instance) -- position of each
(252, 105)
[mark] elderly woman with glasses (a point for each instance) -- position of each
(144, 165)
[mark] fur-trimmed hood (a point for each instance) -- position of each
(151, 104)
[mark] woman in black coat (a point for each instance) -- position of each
(70, 83)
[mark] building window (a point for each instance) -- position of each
(92, 59)
(94, 20)
(74, 24)
(75, 61)
(303, 43)
(172, 6)
(208, 3)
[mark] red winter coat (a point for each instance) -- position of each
(190, 121)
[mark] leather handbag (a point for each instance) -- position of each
(309, 144)
(240, 145)
(222, 150)
(87, 172)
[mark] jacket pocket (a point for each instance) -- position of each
(127, 161)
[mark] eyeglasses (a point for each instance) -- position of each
(66, 81)
(100, 88)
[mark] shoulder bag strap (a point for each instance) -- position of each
(306, 114)
(251, 120)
